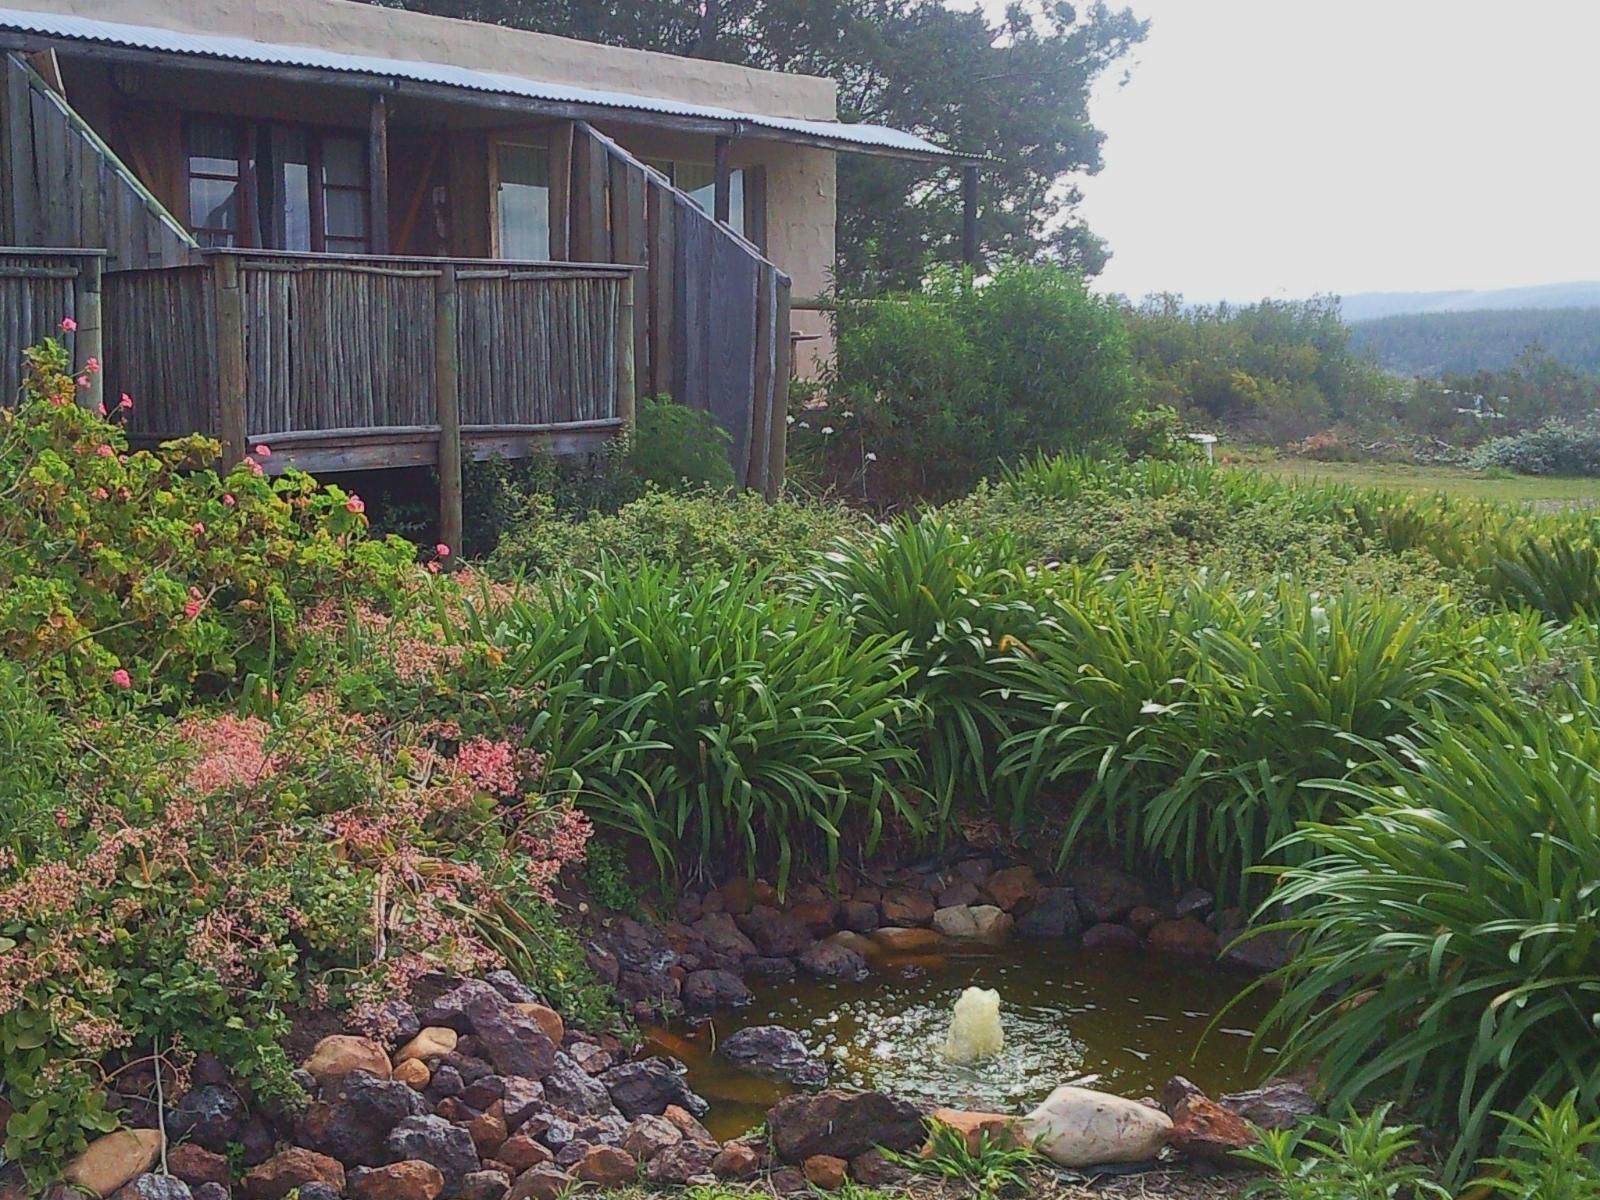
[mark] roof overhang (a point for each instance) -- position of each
(115, 41)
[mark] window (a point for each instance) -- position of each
(700, 182)
(522, 201)
(309, 187)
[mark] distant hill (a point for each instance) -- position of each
(1369, 306)
(1450, 341)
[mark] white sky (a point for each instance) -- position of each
(1285, 147)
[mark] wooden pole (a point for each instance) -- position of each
(722, 203)
(969, 214)
(778, 425)
(627, 386)
(231, 412)
(89, 340)
(447, 398)
(378, 175)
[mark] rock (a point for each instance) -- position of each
(1259, 953)
(217, 1191)
(603, 1131)
(515, 1042)
(1196, 902)
(607, 1167)
(789, 1181)
(685, 1123)
(779, 970)
(1106, 894)
(488, 1131)
(446, 1081)
(1078, 1127)
(336, 1056)
(1001, 1129)
(873, 1170)
(212, 1116)
(775, 1052)
(775, 934)
(1142, 919)
(602, 963)
(1054, 915)
(1186, 937)
(434, 1041)
(985, 924)
(593, 1059)
(641, 948)
(467, 1065)
(290, 1169)
(397, 1021)
(434, 1140)
(679, 1163)
(257, 1141)
(194, 1164)
(1276, 1104)
(520, 1097)
(556, 1132)
(1174, 1091)
(414, 1074)
(410, 1179)
(704, 991)
(908, 908)
(906, 941)
(512, 988)
(833, 960)
(820, 917)
(570, 1087)
(487, 1184)
(843, 1124)
(649, 1136)
(959, 894)
(359, 1118)
(736, 1161)
(1107, 936)
(544, 1182)
(153, 1187)
(825, 1171)
(1204, 1129)
(572, 1153)
(547, 1018)
(738, 896)
(1013, 889)
(109, 1162)
(520, 1151)
(648, 1086)
(860, 916)
(450, 1009)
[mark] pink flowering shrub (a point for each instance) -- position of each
(145, 571)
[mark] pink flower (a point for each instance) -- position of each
(104, 451)
(442, 550)
(355, 504)
(199, 527)
(121, 678)
(253, 465)
(227, 498)
(92, 365)
(433, 568)
(126, 402)
(83, 381)
(101, 494)
(192, 609)
(68, 325)
(102, 408)
(264, 451)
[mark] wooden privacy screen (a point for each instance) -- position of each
(711, 325)
(38, 290)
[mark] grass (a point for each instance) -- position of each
(1543, 491)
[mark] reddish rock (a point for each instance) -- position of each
(414, 1073)
(520, 1152)
(906, 941)
(736, 1161)
(821, 917)
(1013, 889)
(196, 1165)
(1002, 1130)
(1107, 936)
(842, 1123)
(825, 1171)
(488, 1130)
(776, 934)
(679, 1163)
(649, 1135)
(908, 908)
(868, 894)
(289, 1169)
(859, 916)
(721, 935)
(687, 1124)
(1183, 938)
(548, 1019)
(544, 1182)
(1143, 919)
(491, 1183)
(412, 1179)
(958, 894)
(1202, 1128)
(454, 1108)
(608, 1167)
(789, 1181)
(738, 896)
(1175, 1091)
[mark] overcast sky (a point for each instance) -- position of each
(1285, 147)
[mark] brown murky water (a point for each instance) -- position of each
(1128, 1018)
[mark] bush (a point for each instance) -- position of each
(1556, 447)
(944, 385)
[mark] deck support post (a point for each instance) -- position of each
(782, 368)
(447, 399)
(231, 416)
(969, 214)
(722, 191)
(89, 339)
(378, 174)
(627, 368)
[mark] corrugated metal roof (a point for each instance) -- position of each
(235, 49)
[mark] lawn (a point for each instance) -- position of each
(1541, 490)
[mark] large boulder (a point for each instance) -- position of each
(432, 1139)
(1079, 1127)
(290, 1170)
(650, 1085)
(776, 1052)
(1204, 1129)
(109, 1162)
(355, 1123)
(842, 1124)
(336, 1056)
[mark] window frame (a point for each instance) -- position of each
(496, 236)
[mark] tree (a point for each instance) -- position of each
(1016, 89)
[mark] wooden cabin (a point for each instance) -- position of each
(376, 238)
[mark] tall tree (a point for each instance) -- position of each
(1016, 89)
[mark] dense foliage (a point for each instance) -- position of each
(1555, 448)
(1463, 343)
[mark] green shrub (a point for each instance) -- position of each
(1557, 447)
(1549, 1156)
(678, 448)
(1451, 913)
(1360, 1158)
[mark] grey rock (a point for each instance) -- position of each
(778, 970)
(484, 1185)
(450, 1009)
(1106, 894)
(361, 1115)
(570, 1087)
(650, 1085)
(434, 1140)
(704, 991)
(678, 1164)
(830, 960)
(522, 1098)
(513, 1041)
(1276, 1104)
(446, 1081)
(1053, 915)
(1196, 902)
(512, 988)
(775, 1052)
(211, 1116)
(843, 1124)
(399, 1020)
(150, 1186)
(215, 1191)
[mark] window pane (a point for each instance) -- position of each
(294, 189)
(346, 213)
(214, 206)
(701, 184)
(522, 202)
(213, 148)
(344, 162)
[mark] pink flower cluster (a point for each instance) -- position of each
(230, 752)
(493, 766)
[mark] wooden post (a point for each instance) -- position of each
(723, 194)
(231, 412)
(561, 191)
(627, 385)
(89, 339)
(378, 175)
(778, 427)
(447, 399)
(969, 214)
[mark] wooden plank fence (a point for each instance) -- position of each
(38, 290)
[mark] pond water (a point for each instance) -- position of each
(1130, 1019)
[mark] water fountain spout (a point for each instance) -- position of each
(975, 1032)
